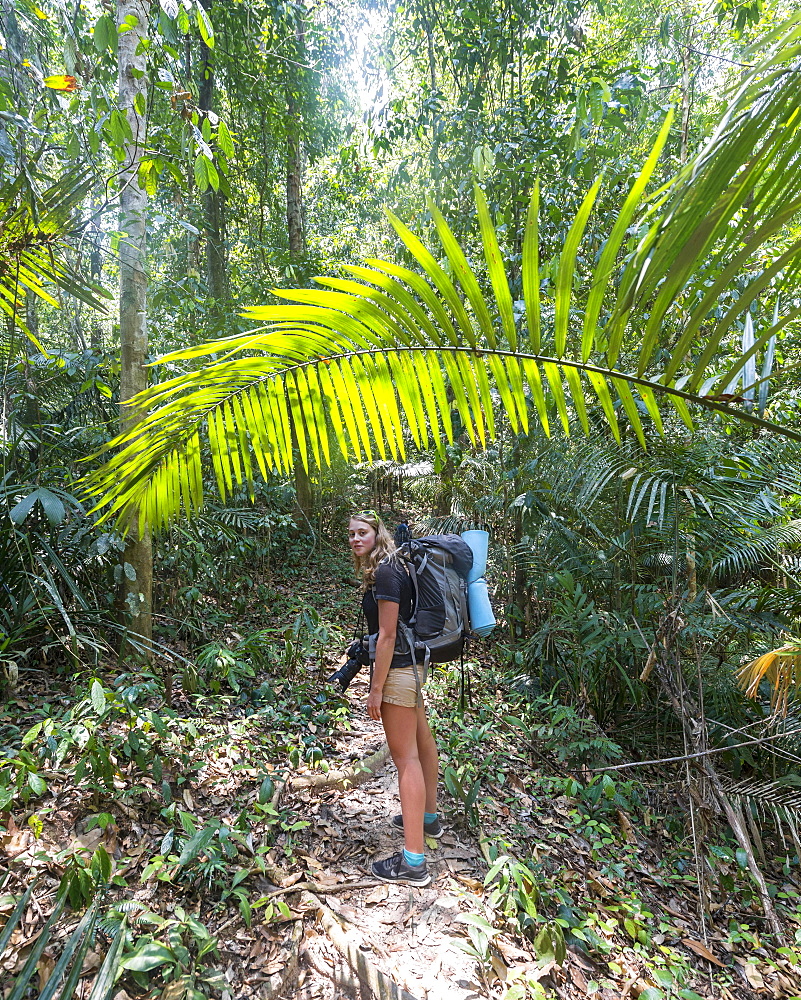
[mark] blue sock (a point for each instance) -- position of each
(429, 817)
(415, 860)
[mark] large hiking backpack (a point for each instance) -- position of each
(402, 534)
(439, 624)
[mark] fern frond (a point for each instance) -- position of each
(747, 552)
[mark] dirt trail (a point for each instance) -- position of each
(407, 933)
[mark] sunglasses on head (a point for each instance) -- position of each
(366, 515)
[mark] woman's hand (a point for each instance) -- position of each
(374, 704)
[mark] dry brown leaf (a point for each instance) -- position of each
(754, 977)
(92, 960)
(499, 966)
(626, 827)
(176, 990)
(273, 967)
(701, 949)
(326, 880)
(188, 800)
(44, 968)
(471, 883)
(599, 888)
(14, 841)
(578, 979)
(88, 841)
(377, 895)
(510, 951)
(516, 782)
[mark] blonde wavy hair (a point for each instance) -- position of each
(384, 549)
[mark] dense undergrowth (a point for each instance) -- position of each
(166, 819)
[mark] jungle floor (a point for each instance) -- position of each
(584, 899)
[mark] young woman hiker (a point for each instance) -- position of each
(396, 697)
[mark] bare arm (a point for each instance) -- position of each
(385, 647)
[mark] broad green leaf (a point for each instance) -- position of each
(98, 697)
(602, 391)
(198, 843)
(148, 956)
(353, 415)
(332, 408)
(362, 385)
(535, 386)
(601, 276)
(204, 24)
(573, 380)
(440, 279)
(630, 407)
(553, 376)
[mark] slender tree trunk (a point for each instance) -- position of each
(297, 253)
(137, 581)
(294, 183)
(692, 574)
(213, 201)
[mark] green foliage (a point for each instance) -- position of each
(63, 979)
(515, 894)
(178, 950)
(95, 737)
(571, 738)
(381, 343)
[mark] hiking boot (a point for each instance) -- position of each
(395, 869)
(429, 829)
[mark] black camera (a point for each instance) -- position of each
(358, 657)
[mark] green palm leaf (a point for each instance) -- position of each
(33, 241)
(363, 359)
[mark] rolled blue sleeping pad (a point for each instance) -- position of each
(479, 543)
(482, 620)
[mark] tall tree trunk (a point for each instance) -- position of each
(294, 182)
(132, 84)
(297, 253)
(213, 201)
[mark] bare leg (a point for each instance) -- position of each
(400, 727)
(429, 760)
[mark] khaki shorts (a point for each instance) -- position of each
(400, 687)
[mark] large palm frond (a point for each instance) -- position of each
(352, 364)
(33, 251)
(778, 798)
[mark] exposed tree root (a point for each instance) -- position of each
(349, 777)
(280, 984)
(316, 887)
(278, 791)
(341, 975)
(372, 981)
